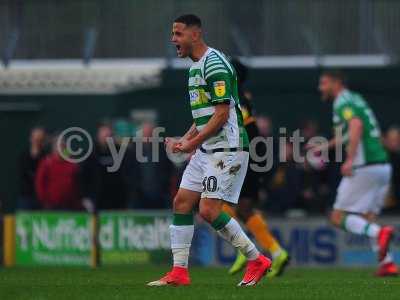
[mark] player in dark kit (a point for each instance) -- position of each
(246, 211)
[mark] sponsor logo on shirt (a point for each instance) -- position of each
(194, 95)
(196, 81)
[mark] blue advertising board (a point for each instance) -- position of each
(310, 242)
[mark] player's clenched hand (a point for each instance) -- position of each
(186, 146)
(171, 144)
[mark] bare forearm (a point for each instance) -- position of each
(191, 133)
(218, 119)
(212, 127)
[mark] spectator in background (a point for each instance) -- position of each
(285, 186)
(392, 143)
(309, 129)
(266, 130)
(265, 126)
(104, 189)
(155, 173)
(28, 164)
(57, 181)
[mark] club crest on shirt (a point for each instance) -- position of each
(219, 88)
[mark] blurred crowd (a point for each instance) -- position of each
(47, 181)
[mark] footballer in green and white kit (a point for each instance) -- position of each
(217, 169)
(365, 191)
(219, 166)
(366, 171)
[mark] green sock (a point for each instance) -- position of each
(221, 221)
(343, 223)
(182, 219)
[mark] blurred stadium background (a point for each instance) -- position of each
(108, 67)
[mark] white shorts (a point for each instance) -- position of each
(217, 175)
(365, 191)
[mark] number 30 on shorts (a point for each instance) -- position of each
(210, 184)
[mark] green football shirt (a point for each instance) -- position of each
(350, 105)
(213, 80)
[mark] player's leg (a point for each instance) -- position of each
(210, 209)
(383, 175)
(181, 233)
(387, 266)
(359, 224)
(256, 224)
(355, 223)
(229, 229)
(182, 228)
(230, 210)
(351, 201)
(258, 227)
(225, 173)
(356, 195)
(241, 260)
(379, 236)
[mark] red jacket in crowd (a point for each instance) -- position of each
(57, 183)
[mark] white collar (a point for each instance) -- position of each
(204, 56)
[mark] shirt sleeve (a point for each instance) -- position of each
(219, 83)
(346, 112)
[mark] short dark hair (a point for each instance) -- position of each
(335, 74)
(189, 20)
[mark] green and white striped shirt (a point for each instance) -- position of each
(349, 105)
(213, 80)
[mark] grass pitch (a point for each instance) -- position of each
(128, 282)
